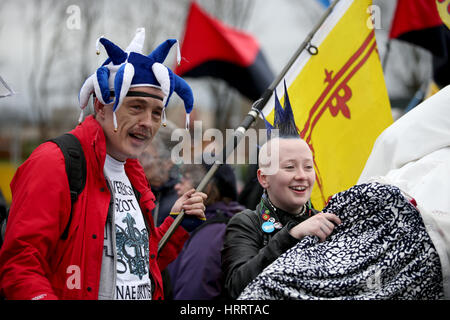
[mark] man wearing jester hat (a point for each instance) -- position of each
(110, 250)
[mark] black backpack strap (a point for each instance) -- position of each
(75, 169)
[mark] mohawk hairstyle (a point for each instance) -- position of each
(283, 120)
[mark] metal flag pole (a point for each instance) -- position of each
(252, 115)
(386, 55)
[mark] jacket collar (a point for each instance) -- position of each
(92, 139)
(265, 207)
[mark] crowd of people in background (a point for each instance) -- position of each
(197, 271)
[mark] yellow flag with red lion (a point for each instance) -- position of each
(339, 98)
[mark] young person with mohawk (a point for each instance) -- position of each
(254, 239)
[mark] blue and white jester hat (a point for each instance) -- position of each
(130, 68)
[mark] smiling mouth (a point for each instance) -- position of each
(298, 188)
(140, 137)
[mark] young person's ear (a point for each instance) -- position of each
(262, 179)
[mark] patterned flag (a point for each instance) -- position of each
(339, 98)
(211, 48)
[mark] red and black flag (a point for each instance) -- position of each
(423, 23)
(211, 48)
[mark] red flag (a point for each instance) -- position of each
(419, 22)
(211, 48)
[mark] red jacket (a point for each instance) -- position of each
(34, 262)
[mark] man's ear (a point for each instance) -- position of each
(262, 179)
(99, 109)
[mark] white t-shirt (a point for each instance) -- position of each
(133, 280)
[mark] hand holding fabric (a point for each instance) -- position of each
(320, 225)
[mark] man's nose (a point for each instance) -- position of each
(146, 119)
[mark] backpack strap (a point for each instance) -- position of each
(75, 169)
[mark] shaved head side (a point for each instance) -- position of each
(268, 158)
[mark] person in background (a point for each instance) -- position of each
(252, 191)
(161, 172)
(162, 175)
(197, 273)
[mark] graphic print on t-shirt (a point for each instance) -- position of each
(132, 246)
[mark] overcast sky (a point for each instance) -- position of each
(279, 25)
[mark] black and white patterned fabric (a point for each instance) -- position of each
(380, 251)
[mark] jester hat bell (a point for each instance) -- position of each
(130, 68)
